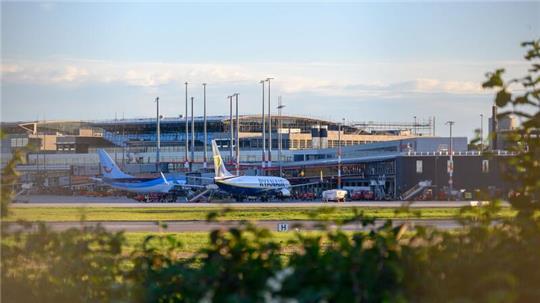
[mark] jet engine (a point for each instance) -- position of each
(284, 192)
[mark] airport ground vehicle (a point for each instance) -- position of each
(337, 195)
(362, 195)
(305, 196)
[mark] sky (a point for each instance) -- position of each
(352, 61)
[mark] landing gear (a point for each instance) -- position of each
(153, 198)
(171, 198)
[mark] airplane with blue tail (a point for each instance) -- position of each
(116, 178)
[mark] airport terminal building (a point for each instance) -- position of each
(390, 158)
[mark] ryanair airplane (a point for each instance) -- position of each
(116, 178)
(249, 186)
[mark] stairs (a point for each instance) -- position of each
(418, 188)
(209, 188)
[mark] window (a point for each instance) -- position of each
(419, 167)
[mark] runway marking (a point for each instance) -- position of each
(191, 226)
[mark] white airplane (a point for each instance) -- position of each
(116, 178)
(249, 186)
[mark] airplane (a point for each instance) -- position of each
(242, 187)
(116, 178)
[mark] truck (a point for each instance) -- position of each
(337, 195)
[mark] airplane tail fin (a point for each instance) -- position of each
(109, 168)
(219, 166)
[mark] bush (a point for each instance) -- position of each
(82, 265)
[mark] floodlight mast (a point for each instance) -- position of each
(481, 133)
(340, 127)
(237, 137)
(280, 144)
(451, 163)
(205, 153)
(158, 135)
(231, 131)
(192, 136)
(263, 163)
(186, 154)
(269, 124)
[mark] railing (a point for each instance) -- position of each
(41, 167)
(460, 153)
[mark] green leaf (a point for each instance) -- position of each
(494, 79)
(522, 99)
(503, 97)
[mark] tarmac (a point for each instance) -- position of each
(84, 201)
(191, 226)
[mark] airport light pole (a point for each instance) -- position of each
(451, 161)
(414, 126)
(263, 131)
(269, 124)
(231, 126)
(237, 137)
(339, 152)
(280, 144)
(481, 133)
(186, 140)
(434, 124)
(205, 158)
(158, 135)
(192, 136)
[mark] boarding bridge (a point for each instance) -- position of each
(418, 188)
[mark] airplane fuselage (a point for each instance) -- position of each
(252, 185)
(143, 185)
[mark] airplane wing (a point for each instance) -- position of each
(96, 179)
(192, 185)
(202, 178)
(291, 186)
(303, 184)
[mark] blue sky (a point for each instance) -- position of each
(358, 61)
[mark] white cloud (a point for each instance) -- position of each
(390, 90)
(70, 74)
(386, 79)
(136, 74)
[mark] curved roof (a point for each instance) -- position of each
(69, 126)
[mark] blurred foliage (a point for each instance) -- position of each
(9, 179)
(77, 265)
(520, 97)
(489, 260)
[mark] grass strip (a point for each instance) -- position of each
(65, 214)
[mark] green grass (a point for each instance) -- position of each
(200, 213)
(191, 241)
(195, 241)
